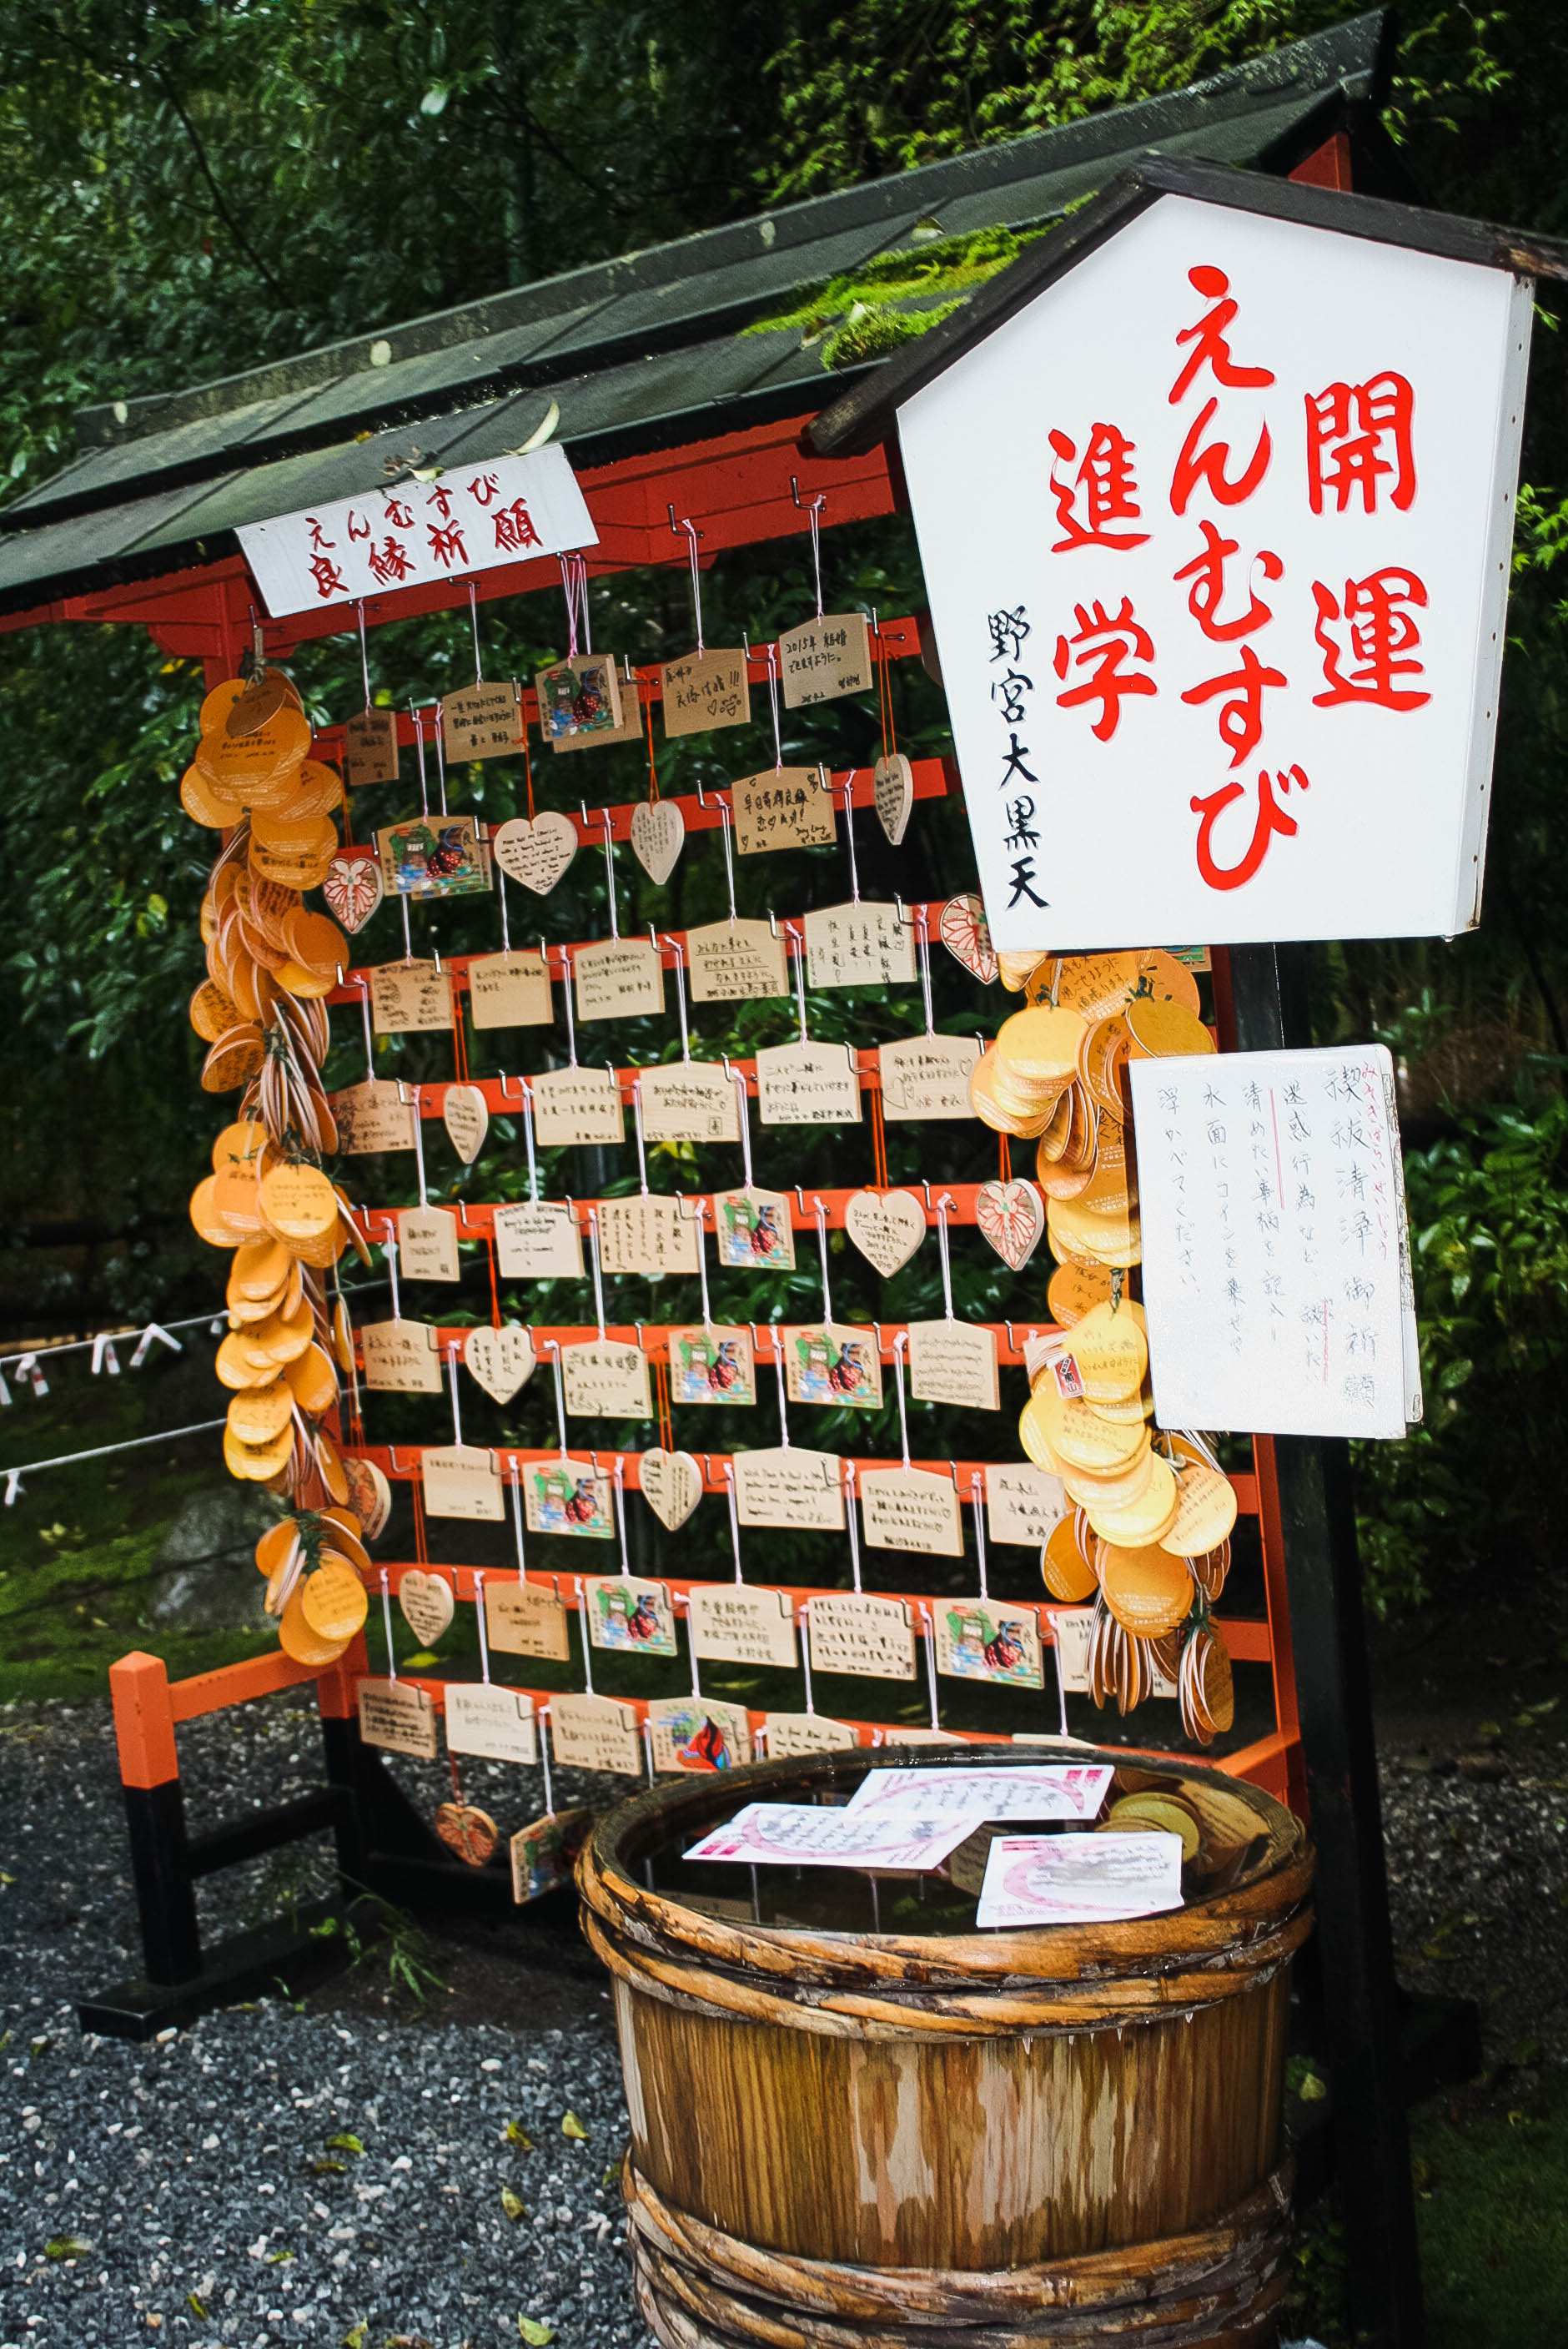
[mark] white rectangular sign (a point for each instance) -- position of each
(470, 518)
(1216, 533)
(1276, 1278)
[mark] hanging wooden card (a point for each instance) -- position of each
(370, 748)
(510, 990)
(790, 1734)
(833, 1364)
(619, 978)
(401, 1356)
(371, 1117)
(563, 1495)
(523, 1620)
(788, 1486)
(428, 1243)
(753, 1228)
(699, 1733)
(432, 856)
(596, 1732)
(712, 1364)
(705, 691)
(927, 1076)
(633, 1615)
(1023, 1504)
(807, 1084)
(461, 1480)
(577, 1105)
(688, 1100)
(864, 945)
(825, 659)
(408, 998)
(911, 1509)
(537, 1239)
(482, 721)
(579, 698)
(854, 1632)
(495, 1725)
(731, 1624)
(605, 1379)
(954, 1362)
(398, 1717)
(783, 807)
(735, 962)
(648, 1233)
(988, 1639)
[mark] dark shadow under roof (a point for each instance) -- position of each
(637, 353)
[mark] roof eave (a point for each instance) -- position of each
(868, 413)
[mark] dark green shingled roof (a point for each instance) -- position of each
(642, 352)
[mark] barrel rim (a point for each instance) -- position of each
(1213, 1932)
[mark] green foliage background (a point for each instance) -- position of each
(189, 186)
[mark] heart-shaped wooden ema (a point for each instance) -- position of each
(671, 1486)
(467, 1120)
(658, 835)
(502, 1360)
(353, 890)
(893, 795)
(887, 1227)
(535, 853)
(428, 1605)
(471, 1833)
(966, 934)
(1012, 1216)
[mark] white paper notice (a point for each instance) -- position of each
(475, 517)
(1069, 1790)
(799, 1834)
(1275, 1252)
(1080, 1880)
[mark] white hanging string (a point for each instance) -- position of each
(386, 1625)
(99, 1452)
(419, 753)
(583, 1629)
(745, 1118)
(474, 623)
(692, 536)
(853, 1527)
(453, 1382)
(806, 1653)
(850, 836)
(680, 989)
(598, 1274)
(931, 1665)
(942, 1206)
(977, 1502)
(898, 1345)
(796, 938)
(546, 1733)
(438, 730)
(566, 990)
(783, 1391)
(479, 1626)
(637, 1126)
(734, 1517)
(771, 651)
(922, 947)
(820, 1211)
(700, 1219)
(516, 1517)
(390, 1251)
(553, 1348)
(619, 1506)
(364, 657)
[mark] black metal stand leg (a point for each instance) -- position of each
(1361, 2001)
(161, 1870)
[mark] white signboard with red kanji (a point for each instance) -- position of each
(1276, 1266)
(1216, 534)
(469, 518)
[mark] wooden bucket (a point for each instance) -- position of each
(843, 2140)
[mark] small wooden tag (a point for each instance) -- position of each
(954, 1362)
(563, 1495)
(353, 889)
(428, 1243)
(399, 1718)
(658, 837)
(698, 1732)
(596, 1732)
(462, 1480)
(986, 1640)
(497, 1724)
(370, 748)
(868, 945)
(535, 853)
(428, 1605)
(634, 1616)
(619, 978)
(671, 1484)
(911, 1509)
(927, 1076)
(1023, 1505)
(605, 1379)
(966, 934)
(371, 1117)
(711, 1364)
(807, 1084)
(401, 1358)
(788, 1485)
(544, 1853)
(432, 856)
(705, 691)
(887, 1227)
(732, 1624)
(502, 1360)
(833, 1364)
(465, 1117)
(510, 990)
(824, 658)
(790, 1734)
(852, 1631)
(893, 795)
(735, 962)
(579, 697)
(577, 1105)
(1012, 1218)
(689, 1101)
(537, 1240)
(646, 1233)
(783, 807)
(523, 1620)
(408, 997)
(753, 1228)
(482, 721)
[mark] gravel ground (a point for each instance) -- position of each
(276, 2175)
(201, 2175)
